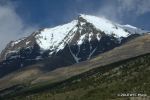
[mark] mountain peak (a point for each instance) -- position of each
(86, 16)
(110, 27)
(92, 18)
(104, 25)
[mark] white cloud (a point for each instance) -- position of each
(118, 9)
(109, 11)
(12, 26)
(138, 7)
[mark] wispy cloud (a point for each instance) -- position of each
(118, 9)
(12, 26)
(138, 7)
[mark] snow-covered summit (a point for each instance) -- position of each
(110, 27)
(55, 38)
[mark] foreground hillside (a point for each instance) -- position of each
(108, 82)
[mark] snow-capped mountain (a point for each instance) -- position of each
(56, 38)
(79, 40)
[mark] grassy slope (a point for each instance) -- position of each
(103, 83)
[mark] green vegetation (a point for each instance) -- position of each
(103, 83)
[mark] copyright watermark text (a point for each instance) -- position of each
(132, 95)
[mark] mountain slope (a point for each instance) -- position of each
(38, 74)
(107, 82)
(67, 44)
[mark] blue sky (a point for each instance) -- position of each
(47, 13)
(18, 17)
(53, 12)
